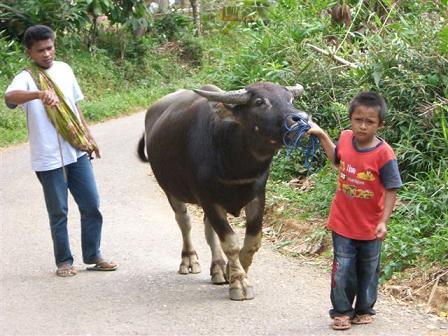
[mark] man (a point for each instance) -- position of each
(59, 165)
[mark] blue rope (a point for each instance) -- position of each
(293, 138)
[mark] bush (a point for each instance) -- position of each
(418, 233)
(191, 49)
(169, 26)
(12, 56)
(63, 16)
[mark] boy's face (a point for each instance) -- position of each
(365, 122)
(42, 53)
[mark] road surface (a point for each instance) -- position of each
(146, 296)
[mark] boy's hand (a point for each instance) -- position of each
(49, 98)
(315, 129)
(324, 140)
(381, 231)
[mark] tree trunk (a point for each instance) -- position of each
(93, 32)
(196, 6)
(164, 5)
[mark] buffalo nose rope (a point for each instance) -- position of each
(294, 138)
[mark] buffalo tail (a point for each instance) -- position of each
(141, 150)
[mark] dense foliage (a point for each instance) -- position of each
(398, 48)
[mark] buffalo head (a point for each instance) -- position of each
(260, 109)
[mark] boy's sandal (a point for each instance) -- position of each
(341, 323)
(103, 265)
(65, 270)
(362, 319)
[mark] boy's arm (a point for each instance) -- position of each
(18, 97)
(324, 140)
(390, 197)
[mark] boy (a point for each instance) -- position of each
(365, 196)
(58, 165)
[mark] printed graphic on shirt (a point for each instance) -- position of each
(349, 190)
(367, 176)
(365, 194)
(350, 186)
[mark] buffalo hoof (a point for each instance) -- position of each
(240, 288)
(218, 272)
(189, 264)
(219, 279)
(193, 268)
(240, 294)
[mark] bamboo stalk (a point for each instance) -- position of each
(336, 58)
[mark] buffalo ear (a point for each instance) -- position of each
(224, 111)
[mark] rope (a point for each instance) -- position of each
(293, 138)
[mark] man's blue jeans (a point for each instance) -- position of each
(356, 266)
(81, 183)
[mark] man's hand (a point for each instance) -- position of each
(381, 231)
(49, 98)
(97, 150)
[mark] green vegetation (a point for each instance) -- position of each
(396, 48)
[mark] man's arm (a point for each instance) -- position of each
(390, 197)
(18, 97)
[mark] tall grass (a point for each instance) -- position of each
(418, 232)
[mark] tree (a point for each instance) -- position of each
(196, 6)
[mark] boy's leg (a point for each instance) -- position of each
(55, 193)
(343, 278)
(368, 267)
(82, 185)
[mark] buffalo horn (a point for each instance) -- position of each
(296, 90)
(238, 97)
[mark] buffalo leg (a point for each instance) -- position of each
(218, 265)
(239, 285)
(189, 262)
(252, 240)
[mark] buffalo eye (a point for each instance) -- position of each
(259, 102)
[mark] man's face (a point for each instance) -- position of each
(42, 53)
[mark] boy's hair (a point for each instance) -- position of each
(37, 33)
(370, 99)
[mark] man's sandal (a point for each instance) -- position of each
(362, 319)
(103, 265)
(65, 270)
(341, 323)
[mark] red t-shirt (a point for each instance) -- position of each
(359, 201)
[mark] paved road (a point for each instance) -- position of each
(146, 296)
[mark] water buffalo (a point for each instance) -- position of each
(214, 148)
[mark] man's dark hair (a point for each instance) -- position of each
(369, 99)
(37, 33)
